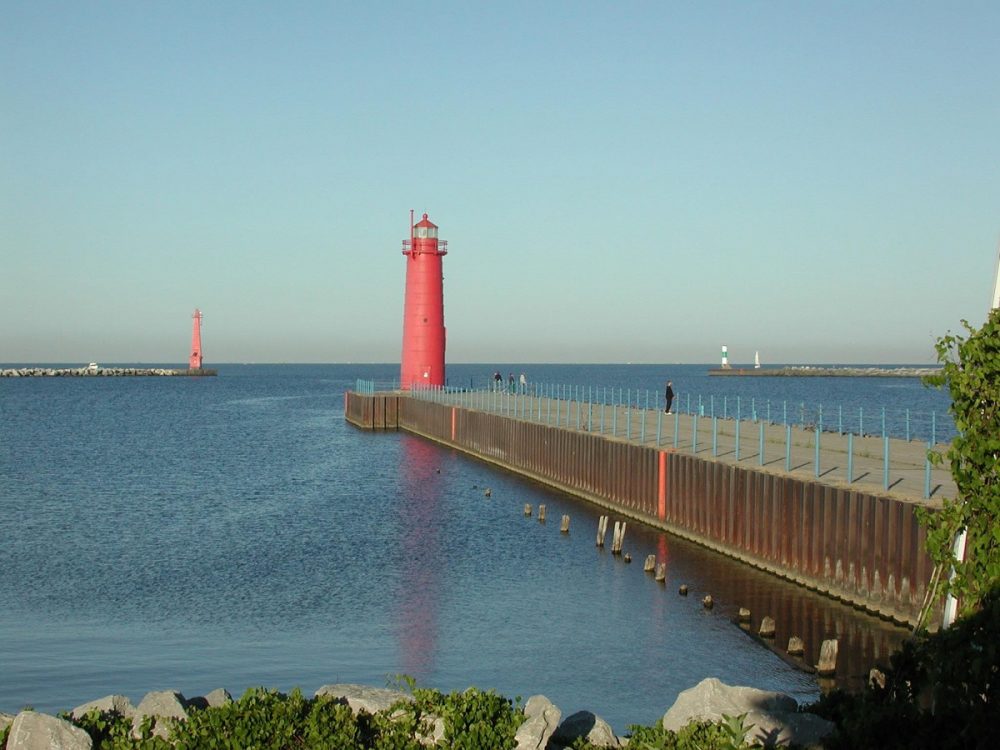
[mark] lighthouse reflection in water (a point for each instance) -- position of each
(420, 539)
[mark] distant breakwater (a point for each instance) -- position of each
(100, 372)
(829, 372)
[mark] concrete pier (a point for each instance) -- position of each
(853, 540)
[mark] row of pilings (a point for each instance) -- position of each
(865, 549)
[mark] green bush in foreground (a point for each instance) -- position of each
(942, 691)
(473, 720)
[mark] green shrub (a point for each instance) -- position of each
(941, 691)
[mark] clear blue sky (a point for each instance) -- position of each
(618, 181)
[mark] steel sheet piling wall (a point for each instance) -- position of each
(862, 548)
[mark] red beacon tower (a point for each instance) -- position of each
(423, 313)
(194, 361)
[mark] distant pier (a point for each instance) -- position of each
(806, 371)
(102, 372)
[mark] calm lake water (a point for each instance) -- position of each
(195, 533)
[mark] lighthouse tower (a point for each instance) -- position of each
(194, 361)
(423, 311)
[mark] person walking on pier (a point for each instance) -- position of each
(510, 382)
(497, 380)
(524, 383)
(668, 397)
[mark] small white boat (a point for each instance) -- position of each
(756, 360)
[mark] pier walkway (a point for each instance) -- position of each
(869, 463)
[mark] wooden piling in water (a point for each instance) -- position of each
(650, 564)
(795, 646)
(661, 573)
(827, 658)
(619, 537)
(766, 628)
(564, 526)
(602, 530)
(527, 509)
(541, 513)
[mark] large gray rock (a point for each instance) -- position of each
(364, 698)
(165, 707)
(218, 697)
(591, 727)
(541, 720)
(5, 720)
(109, 704)
(773, 715)
(34, 731)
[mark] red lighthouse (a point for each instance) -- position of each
(194, 361)
(423, 313)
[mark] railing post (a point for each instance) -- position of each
(933, 428)
(725, 407)
(784, 413)
(677, 424)
(850, 457)
(737, 438)
(883, 421)
(907, 425)
(642, 430)
(885, 462)
(715, 436)
(603, 408)
(659, 427)
(927, 471)
(817, 451)
(861, 421)
(840, 419)
(788, 447)
(614, 421)
(694, 434)
(711, 405)
(819, 417)
(738, 409)
(628, 421)
(761, 449)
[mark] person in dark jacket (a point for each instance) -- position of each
(668, 397)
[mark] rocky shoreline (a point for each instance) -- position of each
(770, 717)
(99, 372)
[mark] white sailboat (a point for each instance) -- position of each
(756, 360)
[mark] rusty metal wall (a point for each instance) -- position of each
(372, 411)
(862, 548)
